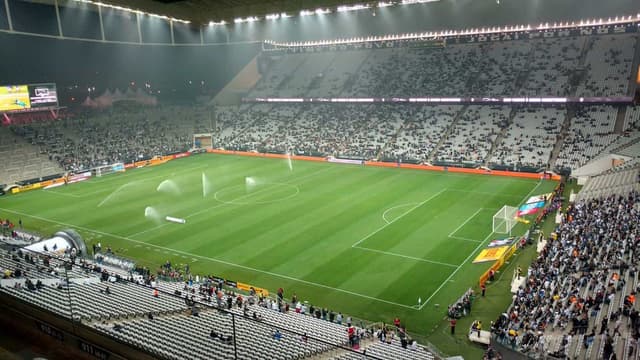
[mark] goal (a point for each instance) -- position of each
(107, 169)
(202, 141)
(505, 219)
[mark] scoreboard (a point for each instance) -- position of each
(43, 95)
(28, 97)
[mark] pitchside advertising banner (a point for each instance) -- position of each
(500, 250)
(490, 254)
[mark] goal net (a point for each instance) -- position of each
(505, 219)
(203, 141)
(107, 169)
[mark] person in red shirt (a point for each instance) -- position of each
(396, 322)
(483, 287)
(452, 324)
(351, 333)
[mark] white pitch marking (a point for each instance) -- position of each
(93, 181)
(228, 263)
(471, 254)
(399, 217)
(384, 214)
(484, 193)
(464, 239)
(222, 204)
(406, 256)
(465, 222)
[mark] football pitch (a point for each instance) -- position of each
(365, 241)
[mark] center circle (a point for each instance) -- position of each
(265, 193)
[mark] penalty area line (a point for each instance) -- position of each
(384, 214)
(446, 281)
(471, 255)
(228, 263)
(405, 256)
(465, 222)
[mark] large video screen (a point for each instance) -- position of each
(14, 98)
(28, 97)
(43, 95)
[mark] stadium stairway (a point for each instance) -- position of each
(338, 353)
(623, 147)
(570, 113)
(348, 84)
(620, 120)
(520, 82)
(633, 85)
(566, 125)
(445, 136)
(392, 140)
(501, 135)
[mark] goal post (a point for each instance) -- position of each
(505, 219)
(203, 141)
(107, 169)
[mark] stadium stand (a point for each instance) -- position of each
(421, 132)
(608, 61)
(531, 137)
(21, 160)
(184, 323)
(572, 287)
(622, 180)
(579, 298)
(473, 135)
(90, 140)
(550, 68)
(592, 129)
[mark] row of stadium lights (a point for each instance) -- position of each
(282, 15)
(381, 4)
(447, 33)
(139, 12)
(323, 11)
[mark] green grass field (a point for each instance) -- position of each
(365, 241)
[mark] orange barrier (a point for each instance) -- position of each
(152, 162)
(266, 155)
(391, 165)
(38, 185)
(460, 170)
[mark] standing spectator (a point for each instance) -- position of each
(452, 325)
(396, 321)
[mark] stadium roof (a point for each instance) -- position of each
(203, 11)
